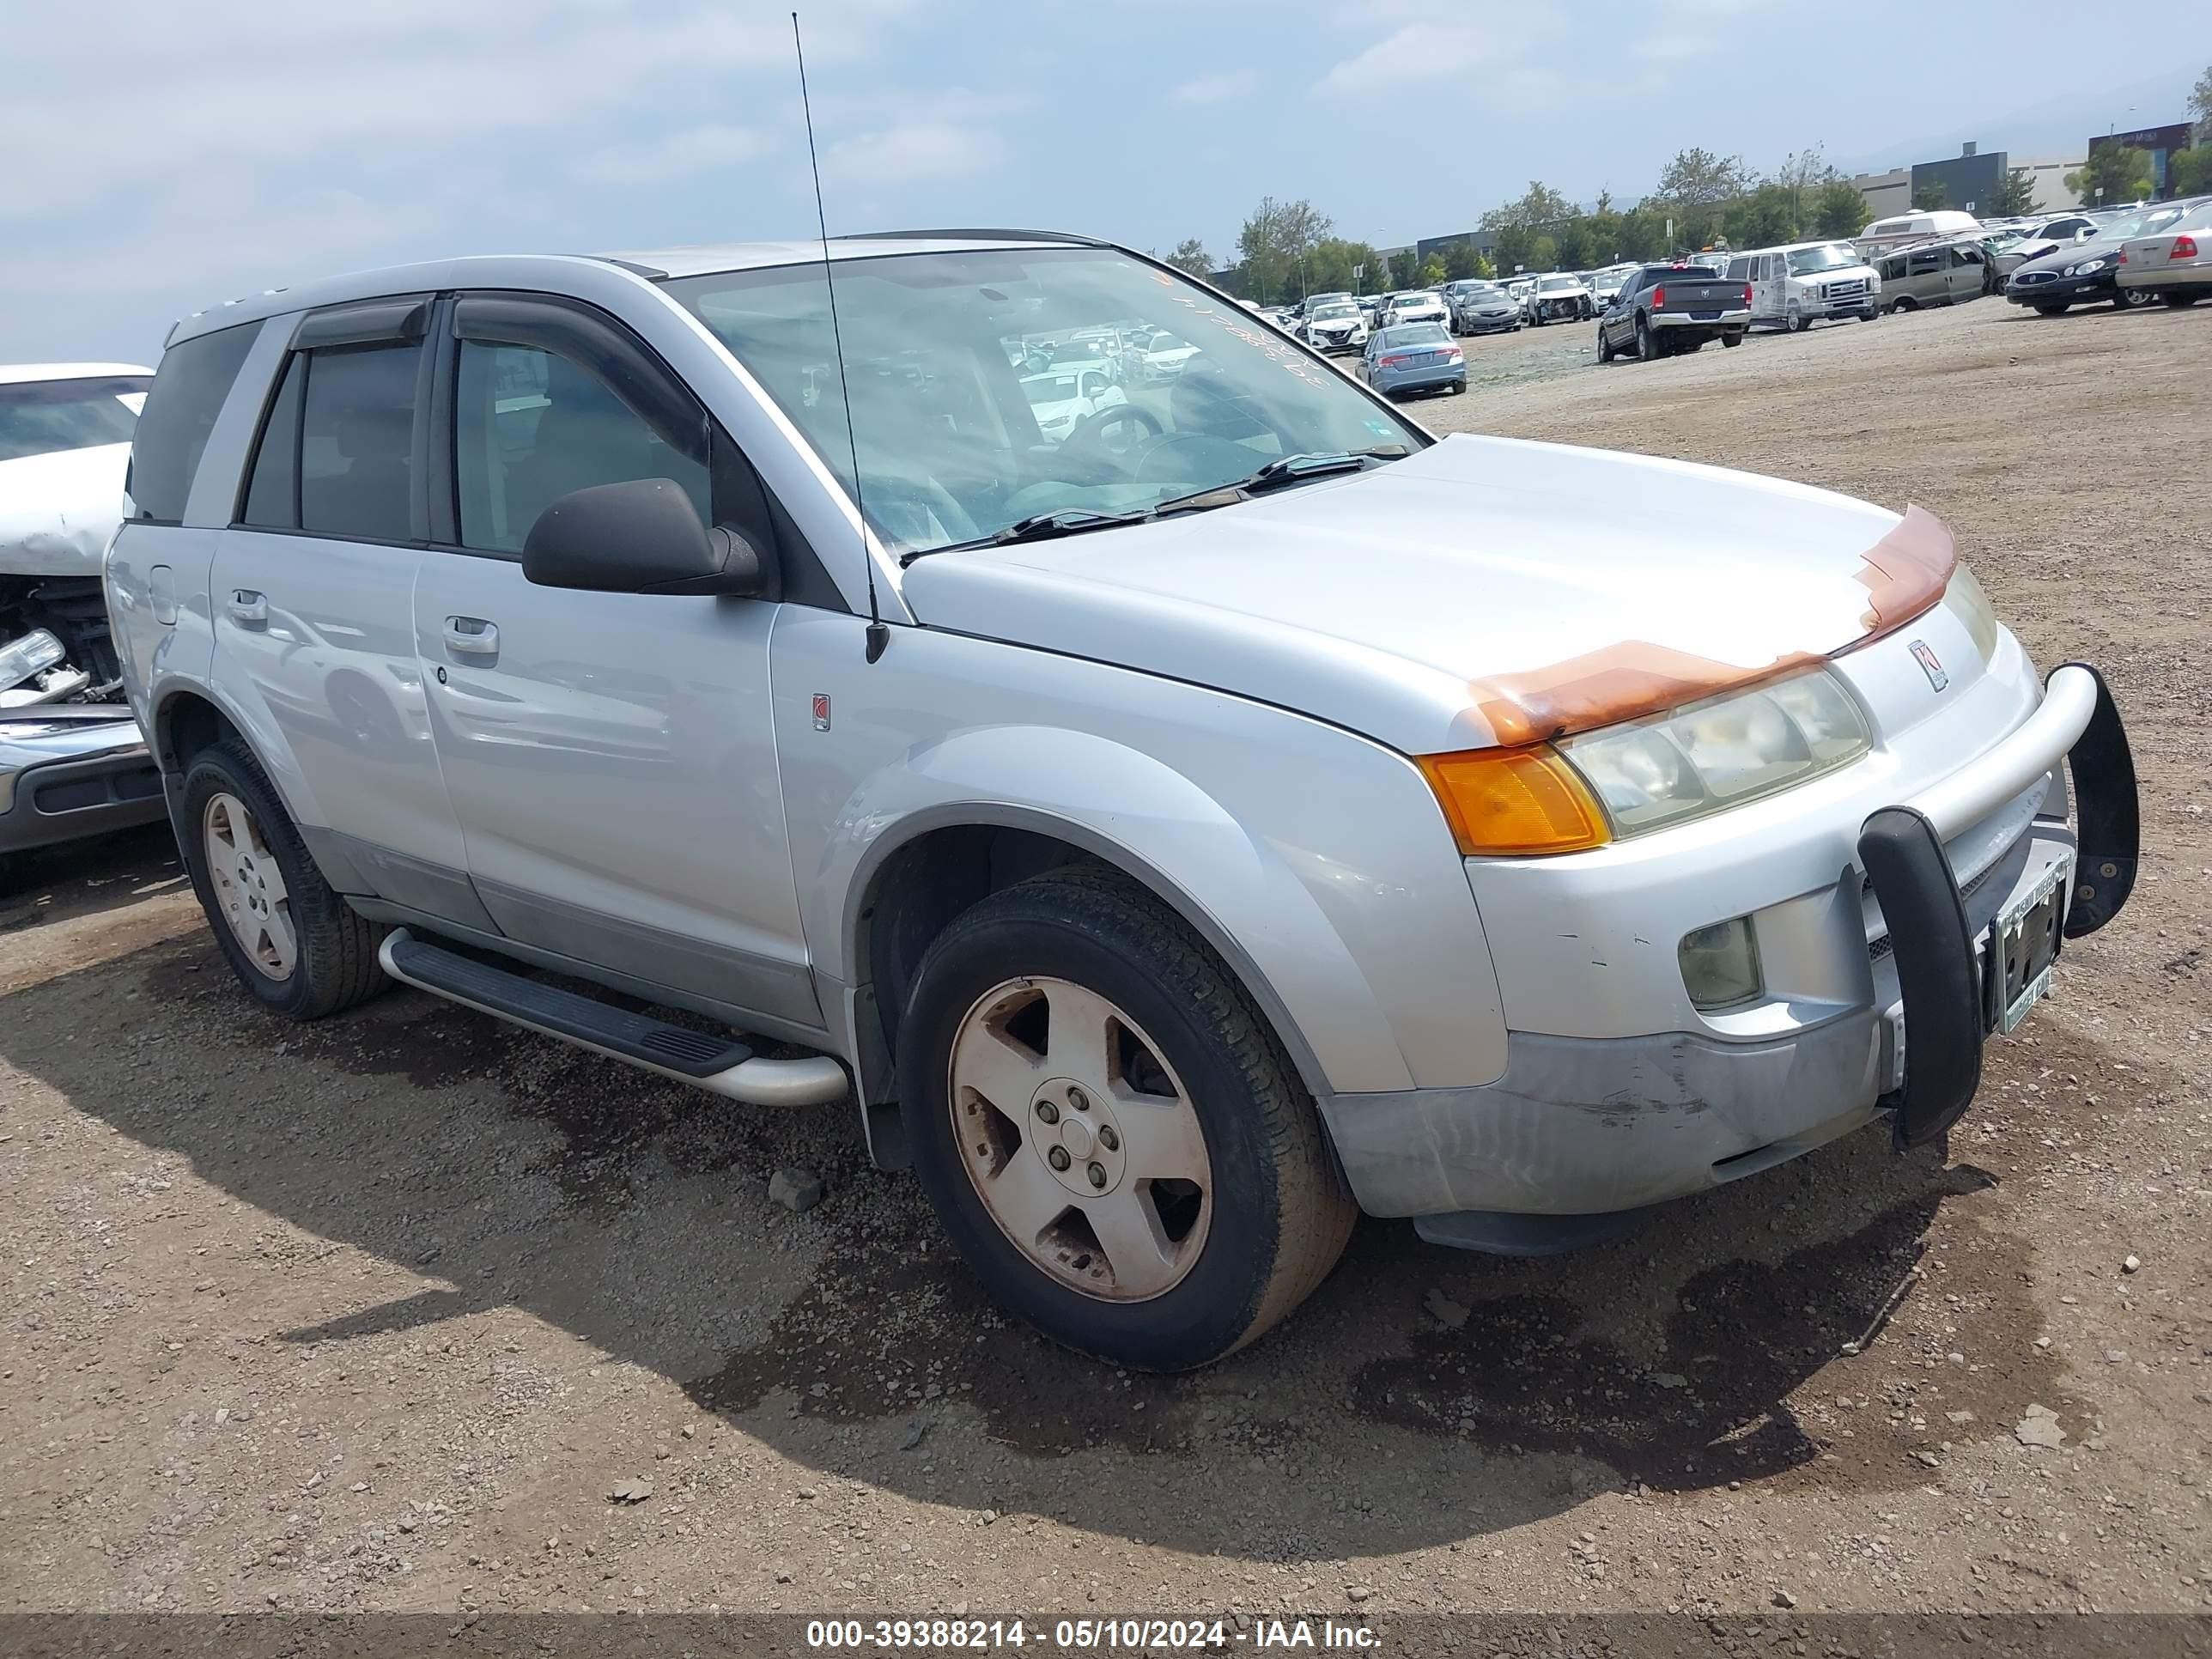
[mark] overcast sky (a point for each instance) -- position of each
(162, 155)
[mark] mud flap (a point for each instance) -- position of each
(2106, 813)
(1937, 975)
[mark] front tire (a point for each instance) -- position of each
(286, 934)
(2051, 308)
(1109, 1131)
(1604, 345)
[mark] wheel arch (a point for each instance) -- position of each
(189, 716)
(938, 862)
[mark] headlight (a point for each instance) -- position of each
(1965, 600)
(2085, 268)
(1654, 774)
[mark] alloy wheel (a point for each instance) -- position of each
(249, 888)
(1081, 1139)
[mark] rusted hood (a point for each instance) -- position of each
(1487, 590)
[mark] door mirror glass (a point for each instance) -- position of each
(640, 536)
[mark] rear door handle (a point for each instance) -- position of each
(471, 636)
(249, 607)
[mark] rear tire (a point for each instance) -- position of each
(1730, 341)
(992, 1063)
(286, 934)
(1646, 346)
(2133, 299)
(2181, 301)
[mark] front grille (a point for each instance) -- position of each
(1847, 290)
(2030, 278)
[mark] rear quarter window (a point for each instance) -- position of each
(189, 387)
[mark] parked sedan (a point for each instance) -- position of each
(1561, 298)
(1485, 308)
(2089, 272)
(1335, 326)
(1415, 357)
(2174, 263)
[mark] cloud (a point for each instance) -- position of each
(1217, 89)
(1423, 51)
(1673, 48)
(679, 155)
(915, 152)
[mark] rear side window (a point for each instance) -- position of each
(44, 417)
(181, 406)
(357, 441)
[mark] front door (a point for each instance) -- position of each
(314, 604)
(611, 755)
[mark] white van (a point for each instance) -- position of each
(1915, 227)
(1795, 286)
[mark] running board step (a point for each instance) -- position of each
(719, 1065)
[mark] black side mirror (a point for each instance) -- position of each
(642, 536)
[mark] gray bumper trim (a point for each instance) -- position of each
(75, 771)
(1580, 1125)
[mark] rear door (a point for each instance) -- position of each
(312, 598)
(611, 756)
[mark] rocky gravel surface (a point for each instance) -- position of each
(408, 1311)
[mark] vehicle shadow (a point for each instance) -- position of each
(86, 878)
(1421, 1396)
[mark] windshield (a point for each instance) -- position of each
(2140, 224)
(1337, 310)
(1562, 281)
(43, 417)
(1415, 301)
(943, 354)
(1805, 261)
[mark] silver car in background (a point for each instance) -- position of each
(1414, 357)
(1170, 847)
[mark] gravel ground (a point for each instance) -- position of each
(379, 1313)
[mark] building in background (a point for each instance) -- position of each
(2162, 143)
(1968, 181)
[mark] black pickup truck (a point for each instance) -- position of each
(1664, 309)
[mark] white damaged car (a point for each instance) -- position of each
(72, 761)
(1172, 850)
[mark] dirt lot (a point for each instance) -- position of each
(377, 1313)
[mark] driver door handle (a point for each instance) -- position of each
(471, 636)
(248, 606)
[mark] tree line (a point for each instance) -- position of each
(1287, 249)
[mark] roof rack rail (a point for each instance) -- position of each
(651, 273)
(966, 235)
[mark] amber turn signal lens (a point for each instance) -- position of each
(1514, 801)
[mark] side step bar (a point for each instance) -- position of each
(720, 1065)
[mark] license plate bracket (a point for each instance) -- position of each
(2023, 947)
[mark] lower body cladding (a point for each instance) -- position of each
(73, 769)
(1955, 899)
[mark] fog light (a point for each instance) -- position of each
(1720, 964)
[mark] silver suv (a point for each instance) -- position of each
(1181, 830)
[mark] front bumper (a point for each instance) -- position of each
(1491, 322)
(1587, 1126)
(73, 771)
(2067, 290)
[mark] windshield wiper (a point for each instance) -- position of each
(1038, 527)
(1280, 473)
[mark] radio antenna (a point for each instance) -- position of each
(879, 636)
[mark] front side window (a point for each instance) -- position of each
(938, 348)
(530, 426)
(189, 389)
(45, 417)
(1922, 264)
(357, 441)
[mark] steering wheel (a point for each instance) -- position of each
(1114, 433)
(917, 511)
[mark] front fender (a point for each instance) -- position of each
(1238, 890)
(1315, 861)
